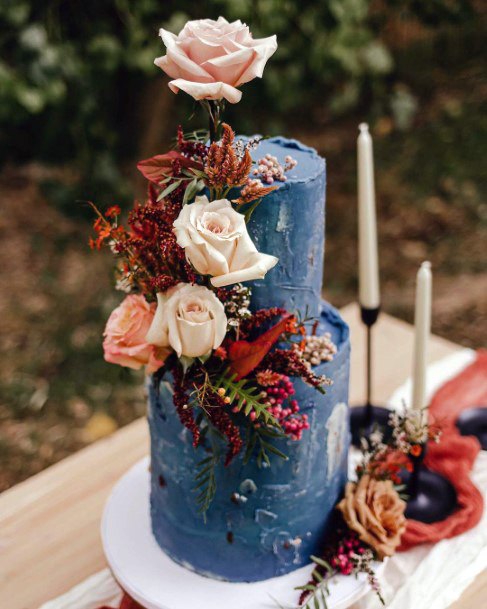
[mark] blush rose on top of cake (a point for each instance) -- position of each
(184, 257)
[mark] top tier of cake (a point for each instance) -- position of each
(290, 224)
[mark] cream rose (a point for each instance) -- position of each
(190, 319)
(217, 243)
(209, 59)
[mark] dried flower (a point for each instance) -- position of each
(224, 169)
(253, 190)
(268, 378)
(374, 510)
(290, 362)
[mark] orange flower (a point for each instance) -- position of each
(221, 353)
(292, 325)
(113, 211)
(373, 509)
(253, 190)
(416, 450)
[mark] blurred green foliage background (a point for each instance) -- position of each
(81, 101)
(73, 74)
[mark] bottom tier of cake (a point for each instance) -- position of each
(263, 522)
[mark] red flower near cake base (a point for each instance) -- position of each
(245, 355)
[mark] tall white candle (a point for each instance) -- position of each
(369, 296)
(422, 325)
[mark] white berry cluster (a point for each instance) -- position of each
(271, 170)
(319, 349)
(237, 306)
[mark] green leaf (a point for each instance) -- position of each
(189, 192)
(247, 397)
(272, 449)
(186, 362)
(206, 483)
(250, 448)
(169, 189)
(322, 563)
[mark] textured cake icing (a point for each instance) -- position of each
(291, 223)
(264, 522)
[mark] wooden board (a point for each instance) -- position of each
(49, 524)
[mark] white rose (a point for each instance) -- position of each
(217, 243)
(190, 319)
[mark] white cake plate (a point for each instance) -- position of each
(155, 581)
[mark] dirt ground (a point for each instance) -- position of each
(56, 392)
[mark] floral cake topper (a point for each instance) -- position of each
(210, 59)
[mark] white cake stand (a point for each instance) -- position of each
(155, 581)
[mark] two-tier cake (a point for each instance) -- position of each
(265, 521)
(248, 368)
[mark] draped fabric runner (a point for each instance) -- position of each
(453, 457)
(126, 603)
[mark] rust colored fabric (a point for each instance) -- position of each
(454, 456)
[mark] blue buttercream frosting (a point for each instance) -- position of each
(290, 224)
(263, 522)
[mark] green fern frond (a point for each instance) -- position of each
(205, 483)
(246, 398)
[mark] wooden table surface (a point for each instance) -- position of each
(49, 524)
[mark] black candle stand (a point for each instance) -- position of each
(431, 497)
(473, 422)
(365, 419)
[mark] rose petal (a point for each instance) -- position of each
(229, 68)
(213, 90)
(264, 49)
(158, 333)
(257, 270)
(195, 337)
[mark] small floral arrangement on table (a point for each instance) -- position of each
(370, 518)
(184, 257)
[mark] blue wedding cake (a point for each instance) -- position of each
(264, 521)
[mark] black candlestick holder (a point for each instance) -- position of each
(431, 497)
(473, 422)
(365, 419)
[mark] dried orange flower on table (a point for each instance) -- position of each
(373, 509)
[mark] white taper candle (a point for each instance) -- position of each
(422, 326)
(369, 296)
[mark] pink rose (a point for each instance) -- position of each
(209, 59)
(125, 332)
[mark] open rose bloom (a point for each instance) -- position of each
(210, 59)
(124, 341)
(217, 243)
(189, 319)
(373, 509)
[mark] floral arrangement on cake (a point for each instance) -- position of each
(184, 257)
